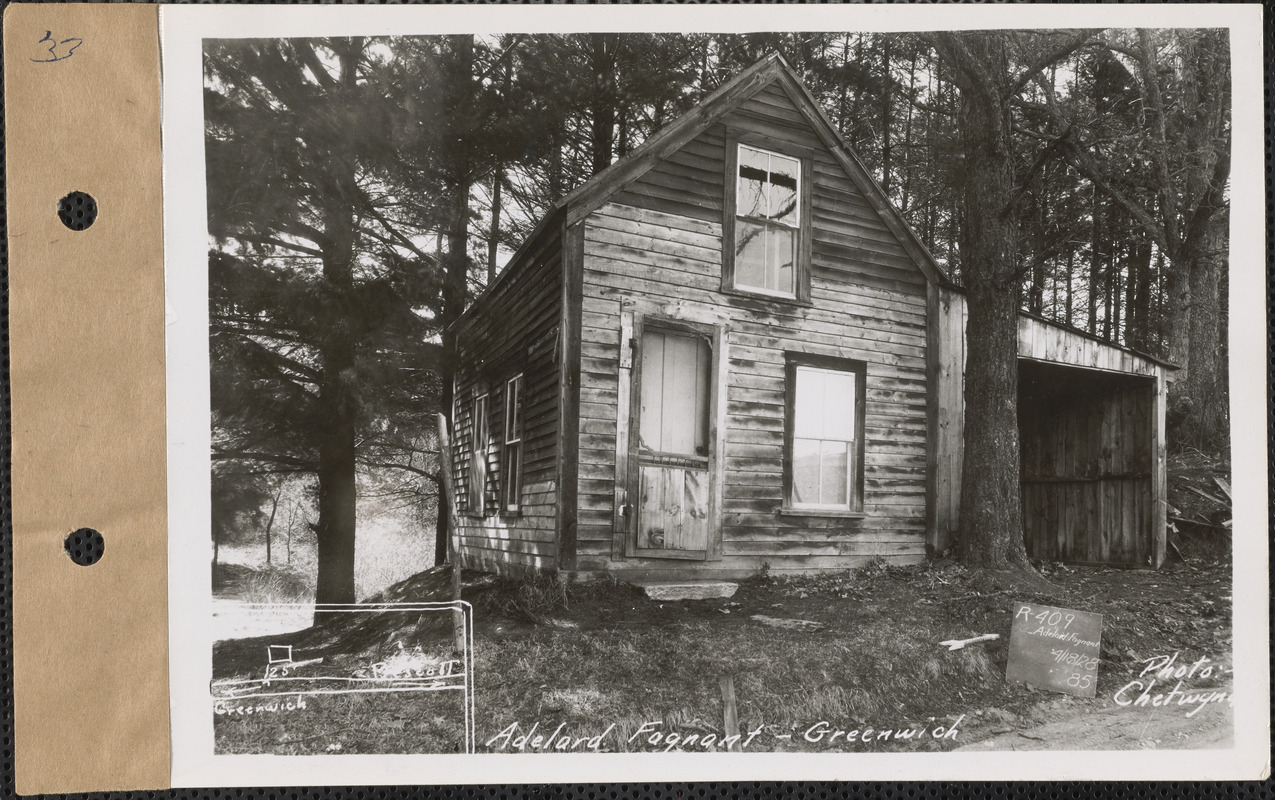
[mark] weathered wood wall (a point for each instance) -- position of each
(851, 243)
(514, 329)
(673, 261)
(660, 240)
(1086, 465)
(946, 407)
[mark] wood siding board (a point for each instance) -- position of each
(497, 341)
(1158, 487)
(569, 393)
(762, 332)
(627, 172)
(936, 542)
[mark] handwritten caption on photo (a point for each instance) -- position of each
(652, 736)
(1187, 676)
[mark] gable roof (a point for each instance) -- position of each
(773, 68)
(595, 192)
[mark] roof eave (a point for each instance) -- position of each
(528, 246)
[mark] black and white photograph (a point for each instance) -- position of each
(651, 392)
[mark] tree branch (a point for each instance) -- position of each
(268, 458)
(270, 240)
(1045, 154)
(1048, 58)
(1082, 163)
(433, 476)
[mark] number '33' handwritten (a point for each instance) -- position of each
(54, 44)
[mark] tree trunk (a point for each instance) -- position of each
(885, 115)
(1204, 392)
(1138, 314)
(1071, 268)
(991, 533)
(1177, 316)
(274, 507)
(457, 256)
(1112, 324)
(1095, 263)
(337, 392)
(604, 99)
(493, 238)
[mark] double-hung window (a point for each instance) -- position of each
(767, 236)
(511, 463)
(824, 453)
(479, 446)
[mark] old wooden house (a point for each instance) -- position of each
(729, 352)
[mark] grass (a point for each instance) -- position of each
(348, 724)
(263, 584)
(589, 656)
(389, 550)
(783, 679)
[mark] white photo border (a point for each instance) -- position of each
(182, 29)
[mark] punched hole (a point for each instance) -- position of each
(77, 210)
(85, 547)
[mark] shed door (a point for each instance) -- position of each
(670, 445)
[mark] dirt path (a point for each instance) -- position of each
(1101, 724)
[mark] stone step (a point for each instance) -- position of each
(689, 590)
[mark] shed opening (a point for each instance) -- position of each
(1085, 439)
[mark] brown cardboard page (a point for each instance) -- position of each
(87, 353)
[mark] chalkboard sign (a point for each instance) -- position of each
(1054, 648)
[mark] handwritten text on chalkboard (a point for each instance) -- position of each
(1054, 648)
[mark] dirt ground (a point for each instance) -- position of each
(1182, 609)
(856, 649)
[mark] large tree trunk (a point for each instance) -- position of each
(457, 256)
(337, 392)
(1177, 315)
(991, 533)
(336, 527)
(1203, 392)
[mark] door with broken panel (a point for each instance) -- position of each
(670, 443)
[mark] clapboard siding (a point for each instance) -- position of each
(850, 242)
(514, 329)
(674, 262)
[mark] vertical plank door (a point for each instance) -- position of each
(672, 434)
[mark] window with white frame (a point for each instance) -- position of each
(767, 222)
(825, 446)
(511, 464)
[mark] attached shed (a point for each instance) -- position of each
(1091, 434)
(728, 352)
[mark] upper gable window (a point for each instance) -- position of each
(767, 229)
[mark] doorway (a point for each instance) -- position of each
(671, 440)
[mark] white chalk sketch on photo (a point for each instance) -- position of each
(333, 688)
